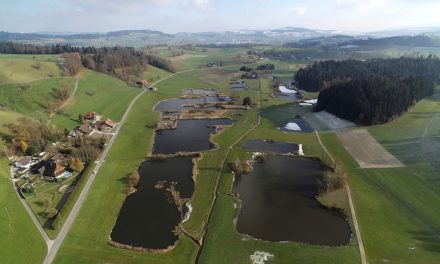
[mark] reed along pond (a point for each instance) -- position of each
(186, 103)
(258, 145)
(278, 203)
(190, 135)
(148, 216)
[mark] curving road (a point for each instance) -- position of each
(53, 250)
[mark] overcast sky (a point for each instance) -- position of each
(214, 15)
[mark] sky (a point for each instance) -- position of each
(173, 16)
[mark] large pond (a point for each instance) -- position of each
(189, 136)
(257, 145)
(148, 216)
(186, 103)
(278, 203)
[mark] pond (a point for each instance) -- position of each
(178, 104)
(297, 125)
(148, 216)
(278, 203)
(257, 145)
(190, 136)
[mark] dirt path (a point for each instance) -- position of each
(353, 211)
(49, 242)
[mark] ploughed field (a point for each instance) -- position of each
(366, 150)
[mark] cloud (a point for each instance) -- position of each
(297, 10)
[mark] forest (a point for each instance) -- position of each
(370, 92)
(375, 100)
(323, 74)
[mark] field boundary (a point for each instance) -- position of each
(353, 211)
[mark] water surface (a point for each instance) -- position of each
(189, 136)
(278, 203)
(148, 216)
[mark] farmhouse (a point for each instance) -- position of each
(142, 83)
(105, 126)
(24, 163)
(52, 171)
(91, 117)
(85, 129)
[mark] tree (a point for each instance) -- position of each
(247, 101)
(76, 164)
(24, 146)
(80, 118)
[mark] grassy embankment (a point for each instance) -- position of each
(396, 208)
(20, 240)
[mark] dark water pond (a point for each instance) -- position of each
(148, 216)
(297, 125)
(291, 97)
(179, 103)
(189, 136)
(278, 203)
(257, 145)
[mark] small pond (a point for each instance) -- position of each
(148, 216)
(278, 203)
(189, 136)
(178, 104)
(297, 125)
(257, 145)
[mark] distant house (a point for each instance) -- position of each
(105, 126)
(24, 163)
(142, 83)
(91, 117)
(85, 129)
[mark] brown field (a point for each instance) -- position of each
(218, 75)
(366, 150)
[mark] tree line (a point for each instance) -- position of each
(124, 63)
(323, 74)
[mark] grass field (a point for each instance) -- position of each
(19, 69)
(6, 118)
(33, 100)
(397, 219)
(20, 240)
(99, 93)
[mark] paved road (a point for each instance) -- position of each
(353, 212)
(74, 212)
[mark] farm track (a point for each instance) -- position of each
(353, 211)
(217, 182)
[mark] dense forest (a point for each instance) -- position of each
(121, 62)
(373, 91)
(375, 100)
(323, 74)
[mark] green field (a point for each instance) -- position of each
(397, 219)
(7, 118)
(99, 93)
(19, 69)
(33, 100)
(20, 240)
